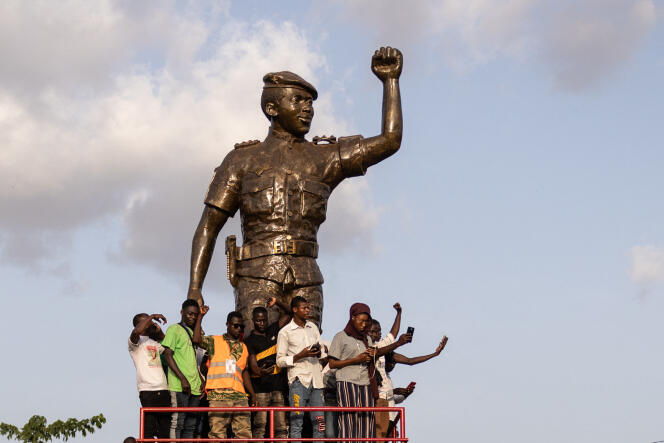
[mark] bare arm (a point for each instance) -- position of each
(257, 370)
(170, 361)
(202, 247)
(144, 325)
(246, 379)
(253, 365)
(403, 339)
(286, 312)
(410, 361)
(397, 321)
(364, 357)
(386, 64)
(197, 338)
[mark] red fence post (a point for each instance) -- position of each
(140, 424)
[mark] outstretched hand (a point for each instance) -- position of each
(441, 345)
(386, 63)
(271, 301)
(204, 310)
(397, 306)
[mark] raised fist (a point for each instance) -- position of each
(386, 63)
(195, 294)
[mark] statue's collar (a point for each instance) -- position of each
(284, 136)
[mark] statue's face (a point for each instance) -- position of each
(295, 111)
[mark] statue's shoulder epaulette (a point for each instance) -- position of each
(324, 140)
(247, 143)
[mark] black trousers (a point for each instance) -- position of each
(156, 424)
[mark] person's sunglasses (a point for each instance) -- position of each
(237, 325)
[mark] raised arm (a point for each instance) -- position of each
(144, 325)
(286, 312)
(202, 247)
(386, 64)
(197, 338)
(410, 361)
(397, 320)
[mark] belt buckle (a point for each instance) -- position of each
(283, 247)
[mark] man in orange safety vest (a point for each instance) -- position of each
(228, 379)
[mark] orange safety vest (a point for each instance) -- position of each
(217, 377)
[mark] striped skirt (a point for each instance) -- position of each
(355, 424)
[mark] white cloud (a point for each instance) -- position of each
(578, 42)
(466, 32)
(141, 141)
(588, 40)
(647, 265)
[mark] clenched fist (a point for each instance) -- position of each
(386, 63)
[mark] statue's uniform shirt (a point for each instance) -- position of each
(281, 187)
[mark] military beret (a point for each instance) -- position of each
(287, 79)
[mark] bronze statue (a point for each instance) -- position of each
(281, 186)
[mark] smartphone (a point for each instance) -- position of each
(410, 330)
(411, 385)
(315, 347)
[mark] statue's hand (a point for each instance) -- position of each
(386, 63)
(195, 294)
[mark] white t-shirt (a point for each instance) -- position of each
(150, 375)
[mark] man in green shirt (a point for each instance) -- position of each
(184, 380)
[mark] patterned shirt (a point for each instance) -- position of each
(236, 353)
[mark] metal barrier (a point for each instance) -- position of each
(401, 421)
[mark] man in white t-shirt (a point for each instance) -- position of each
(145, 351)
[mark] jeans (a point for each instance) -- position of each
(156, 424)
(183, 424)
(300, 395)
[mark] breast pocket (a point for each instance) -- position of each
(314, 200)
(257, 195)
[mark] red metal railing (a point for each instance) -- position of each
(401, 419)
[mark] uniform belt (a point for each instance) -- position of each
(277, 247)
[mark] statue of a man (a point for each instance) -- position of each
(281, 186)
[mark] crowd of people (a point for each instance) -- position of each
(285, 363)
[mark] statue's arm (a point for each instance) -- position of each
(386, 64)
(202, 247)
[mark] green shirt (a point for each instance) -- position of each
(177, 339)
(236, 347)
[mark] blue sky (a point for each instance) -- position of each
(522, 216)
